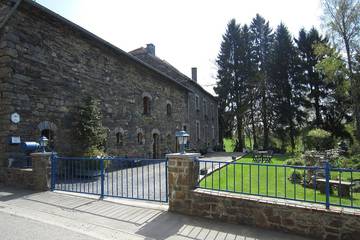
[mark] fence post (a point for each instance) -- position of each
(53, 171)
(102, 176)
(327, 183)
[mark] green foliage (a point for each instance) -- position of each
(91, 133)
(296, 177)
(295, 162)
(319, 139)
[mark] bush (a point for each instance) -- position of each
(295, 162)
(296, 177)
(319, 139)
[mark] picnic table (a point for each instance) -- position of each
(262, 156)
(342, 187)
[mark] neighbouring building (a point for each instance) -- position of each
(48, 65)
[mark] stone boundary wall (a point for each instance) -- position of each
(15, 177)
(37, 178)
(311, 220)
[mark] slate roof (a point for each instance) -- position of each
(165, 67)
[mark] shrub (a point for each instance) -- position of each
(295, 162)
(319, 139)
(296, 177)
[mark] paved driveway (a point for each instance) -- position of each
(120, 220)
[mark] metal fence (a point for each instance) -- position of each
(324, 185)
(134, 178)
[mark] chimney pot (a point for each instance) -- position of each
(150, 49)
(194, 74)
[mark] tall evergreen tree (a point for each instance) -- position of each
(286, 87)
(234, 73)
(315, 86)
(227, 65)
(262, 39)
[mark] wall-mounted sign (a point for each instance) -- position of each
(15, 118)
(15, 140)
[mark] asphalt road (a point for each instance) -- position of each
(18, 228)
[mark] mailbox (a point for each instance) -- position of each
(30, 146)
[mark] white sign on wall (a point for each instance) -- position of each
(15, 118)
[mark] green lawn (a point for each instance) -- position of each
(270, 180)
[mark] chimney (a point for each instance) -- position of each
(194, 74)
(150, 49)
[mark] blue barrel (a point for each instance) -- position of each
(30, 146)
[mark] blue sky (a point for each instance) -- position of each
(186, 33)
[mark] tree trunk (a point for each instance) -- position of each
(253, 128)
(318, 118)
(240, 143)
(264, 113)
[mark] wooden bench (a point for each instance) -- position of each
(343, 188)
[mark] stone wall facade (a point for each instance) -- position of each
(48, 66)
(310, 220)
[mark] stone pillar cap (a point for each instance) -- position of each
(185, 155)
(42, 154)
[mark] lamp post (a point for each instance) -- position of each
(43, 142)
(182, 137)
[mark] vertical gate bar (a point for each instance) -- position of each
(212, 175)
(267, 180)
(351, 189)
(226, 177)
(285, 180)
(250, 178)
(315, 182)
(127, 180)
(52, 172)
(258, 178)
(327, 185)
(340, 190)
(234, 165)
(117, 178)
(206, 171)
(132, 178)
(137, 182)
(154, 179)
(160, 179)
(276, 180)
(148, 174)
(102, 177)
(294, 184)
(142, 180)
(242, 177)
(166, 180)
(304, 183)
(219, 174)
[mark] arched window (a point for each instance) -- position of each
(146, 105)
(140, 138)
(119, 139)
(168, 109)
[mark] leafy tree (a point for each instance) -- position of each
(90, 130)
(342, 19)
(262, 39)
(337, 102)
(313, 81)
(286, 88)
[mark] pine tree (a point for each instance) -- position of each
(262, 39)
(90, 130)
(286, 89)
(316, 89)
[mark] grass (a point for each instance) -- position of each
(229, 144)
(271, 181)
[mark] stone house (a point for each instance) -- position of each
(48, 65)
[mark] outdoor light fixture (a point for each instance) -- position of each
(43, 142)
(182, 137)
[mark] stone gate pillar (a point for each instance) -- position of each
(183, 174)
(41, 164)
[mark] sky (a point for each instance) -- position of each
(186, 33)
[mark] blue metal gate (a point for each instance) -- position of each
(134, 178)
